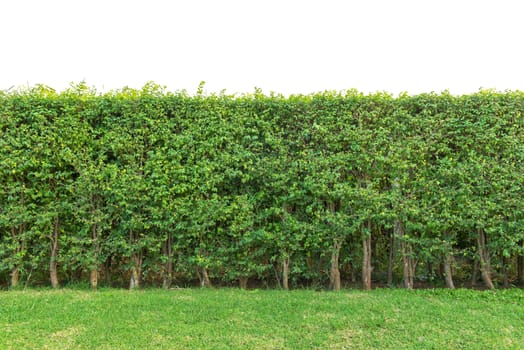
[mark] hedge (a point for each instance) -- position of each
(150, 187)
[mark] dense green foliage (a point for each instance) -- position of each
(148, 186)
(262, 319)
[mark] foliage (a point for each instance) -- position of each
(158, 186)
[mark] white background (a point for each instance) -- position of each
(284, 46)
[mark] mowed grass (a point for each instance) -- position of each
(262, 319)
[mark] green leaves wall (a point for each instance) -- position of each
(239, 182)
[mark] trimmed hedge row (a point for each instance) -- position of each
(148, 186)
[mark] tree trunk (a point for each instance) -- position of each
(15, 277)
(505, 281)
(15, 272)
(53, 271)
(520, 272)
(366, 260)
(334, 278)
(19, 241)
(242, 282)
(136, 271)
(285, 257)
(134, 281)
(136, 268)
(285, 273)
(485, 261)
(407, 259)
(448, 274)
(520, 266)
(93, 279)
(408, 265)
(391, 259)
(206, 282)
(168, 268)
(93, 276)
(168, 275)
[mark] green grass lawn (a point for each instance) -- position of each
(262, 319)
